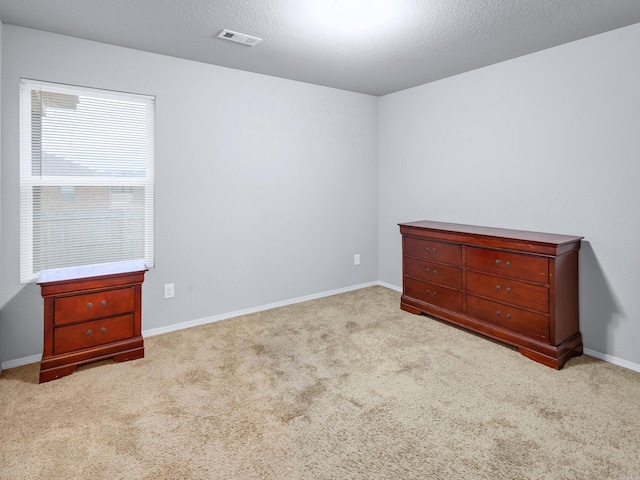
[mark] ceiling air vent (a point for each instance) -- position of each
(239, 37)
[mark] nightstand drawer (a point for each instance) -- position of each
(93, 305)
(505, 264)
(525, 323)
(89, 334)
(434, 294)
(505, 290)
(433, 251)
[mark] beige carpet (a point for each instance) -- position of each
(345, 387)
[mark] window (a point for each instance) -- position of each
(86, 177)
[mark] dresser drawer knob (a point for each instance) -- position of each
(433, 249)
(497, 262)
(498, 287)
(427, 270)
(508, 316)
(103, 330)
(498, 313)
(89, 332)
(508, 290)
(89, 305)
(103, 303)
(434, 293)
(427, 249)
(508, 264)
(434, 272)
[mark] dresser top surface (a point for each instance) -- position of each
(475, 230)
(91, 271)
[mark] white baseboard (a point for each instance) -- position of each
(19, 362)
(389, 286)
(611, 359)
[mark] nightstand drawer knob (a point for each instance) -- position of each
(89, 305)
(103, 330)
(103, 303)
(89, 332)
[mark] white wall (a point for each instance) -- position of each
(265, 187)
(547, 142)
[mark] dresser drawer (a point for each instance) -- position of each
(93, 305)
(434, 272)
(520, 321)
(505, 290)
(433, 251)
(434, 294)
(89, 334)
(512, 265)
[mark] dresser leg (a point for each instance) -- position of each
(56, 372)
(410, 309)
(564, 352)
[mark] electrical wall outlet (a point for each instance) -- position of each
(356, 259)
(169, 290)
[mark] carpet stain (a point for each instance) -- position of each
(550, 414)
(196, 376)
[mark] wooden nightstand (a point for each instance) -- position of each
(91, 313)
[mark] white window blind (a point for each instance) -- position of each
(86, 177)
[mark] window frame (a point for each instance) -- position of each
(29, 181)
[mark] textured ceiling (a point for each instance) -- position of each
(406, 43)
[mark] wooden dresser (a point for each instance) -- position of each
(91, 313)
(515, 286)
